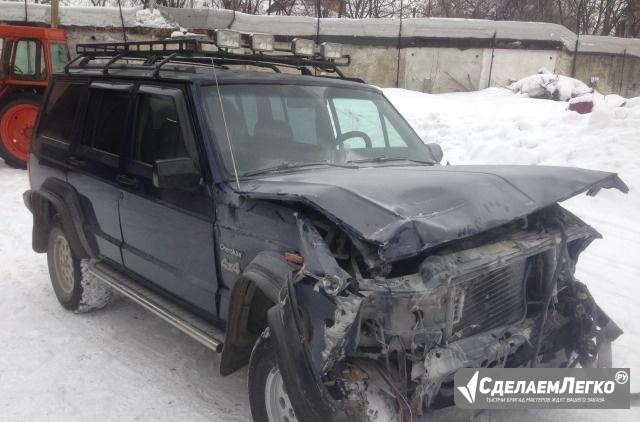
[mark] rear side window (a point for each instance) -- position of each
(105, 126)
(28, 60)
(59, 57)
(59, 113)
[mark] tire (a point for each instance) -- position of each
(17, 121)
(74, 288)
(265, 381)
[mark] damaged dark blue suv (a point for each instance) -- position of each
(296, 223)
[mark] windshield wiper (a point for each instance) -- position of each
(295, 165)
(384, 159)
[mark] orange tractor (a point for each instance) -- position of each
(28, 57)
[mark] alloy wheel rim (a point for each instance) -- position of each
(278, 404)
(63, 262)
(16, 129)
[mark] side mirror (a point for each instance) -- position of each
(436, 151)
(175, 173)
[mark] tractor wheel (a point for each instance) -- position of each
(17, 121)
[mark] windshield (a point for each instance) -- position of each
(275, 127)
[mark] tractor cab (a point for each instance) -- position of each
(28, 57)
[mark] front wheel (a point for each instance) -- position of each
(267, 396)
(17, 121)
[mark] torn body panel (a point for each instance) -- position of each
(391, 345)
(429, 205)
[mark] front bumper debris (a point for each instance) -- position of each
(396, 343)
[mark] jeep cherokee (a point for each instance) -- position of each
(296, 223)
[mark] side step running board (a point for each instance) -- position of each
(187, 322)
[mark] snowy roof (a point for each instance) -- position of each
(481, 28)
(449, 28)
(385, 27)
(614, 45)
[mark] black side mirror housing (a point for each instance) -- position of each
(436, 151)
(175, 173)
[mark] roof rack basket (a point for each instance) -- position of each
(156, 54)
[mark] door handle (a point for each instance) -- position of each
(128, 181)
(75, 161)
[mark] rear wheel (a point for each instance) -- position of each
(267, 396)
(74, 289)
(17, 121)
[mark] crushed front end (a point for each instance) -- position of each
(362, 339)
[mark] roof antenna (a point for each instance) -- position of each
(124, 34)
(226, 128)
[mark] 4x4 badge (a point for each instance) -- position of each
(232, 267)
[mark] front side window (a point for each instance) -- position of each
(28, 60)
(159, 134)
(59, 113)
(359, 115)
(292, 125)
(106, 121)
(59, 57)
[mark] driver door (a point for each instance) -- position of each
(167, 233)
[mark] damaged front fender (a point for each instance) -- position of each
(290, 334)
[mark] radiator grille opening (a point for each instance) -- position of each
(490, 300)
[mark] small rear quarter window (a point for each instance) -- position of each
(59, 113)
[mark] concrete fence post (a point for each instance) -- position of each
(575, 57)
(493, 55)
(624, 59)
(399, 46)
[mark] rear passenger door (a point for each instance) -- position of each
(94, 162)
(167, 232)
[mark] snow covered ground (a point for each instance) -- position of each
(122, 363)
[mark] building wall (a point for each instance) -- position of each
(438, 69)
(436, 55)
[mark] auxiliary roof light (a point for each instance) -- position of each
(227, 38)
(302, 47)
(262, 42)
(330, 50)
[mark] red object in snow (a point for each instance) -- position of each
(583, 107)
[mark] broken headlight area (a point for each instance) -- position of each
(389, 347)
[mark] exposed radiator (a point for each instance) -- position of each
(490, 300)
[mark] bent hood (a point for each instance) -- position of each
(405, 210)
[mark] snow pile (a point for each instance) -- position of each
(149, 19)
(85, 16)
(586, 98)
(548, 85)
(496, 126)
(185, 33)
